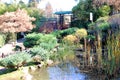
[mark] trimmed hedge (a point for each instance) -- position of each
(46, 41)
(15, 60)
(38, 51)
(62, 33)
(32, 39)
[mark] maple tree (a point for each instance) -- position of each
(17, 21)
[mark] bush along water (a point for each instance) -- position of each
(42, 46)
(40, 53)
(16, 60)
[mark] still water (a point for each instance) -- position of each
(65, 71)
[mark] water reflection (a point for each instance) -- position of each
(65, 72)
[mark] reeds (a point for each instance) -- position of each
(112, 62)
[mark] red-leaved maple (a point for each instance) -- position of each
(18, 21)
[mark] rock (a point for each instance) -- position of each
(37, 58)
(26, 76)
(49, 62)
(32, 68)
(39, 65)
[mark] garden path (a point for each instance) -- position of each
(8, 48)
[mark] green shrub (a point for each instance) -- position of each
(70, 39)
(104, 10)
(47, 46)
(2, 40)
(91, 37)
(101, 24)
(15, 60)
(10, 37)
(81, 33)
(60, 34)
(104, 26)
(47, 41)
(32, 39)
(44, 54)
(79, 23)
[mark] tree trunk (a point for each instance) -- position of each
(85, 50)
(99, 50)
(14, 38)
(88, 54)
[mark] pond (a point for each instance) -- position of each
(64, 71)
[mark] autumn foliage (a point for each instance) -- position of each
(70, 39)
(17, 21)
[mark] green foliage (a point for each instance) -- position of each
(70, 39)
(91, 37)
(7, 37)
(32, 39)
(22, 5)
(32, 12)
(36, 13)
(48, 38)
(81, 33)
(103, 19)
(3, 8)
(18, 48)
(82, 9)
(47, 46)
(46, 41)
(2, 40)
(62, 33)
(44, 54)
(79, 24)
(15, 60)
(65, 52)
(100, 24)
(12, 7)
(91, 26)
(104, 10)
(103, 26)
(111, 62)
(8, 7)
(82, 12)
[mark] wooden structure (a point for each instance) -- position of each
(49, 25)
(64, 19)
(61, 21)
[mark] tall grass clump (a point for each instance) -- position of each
(112, 62)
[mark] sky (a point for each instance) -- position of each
(57, 5)
(63, 5)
